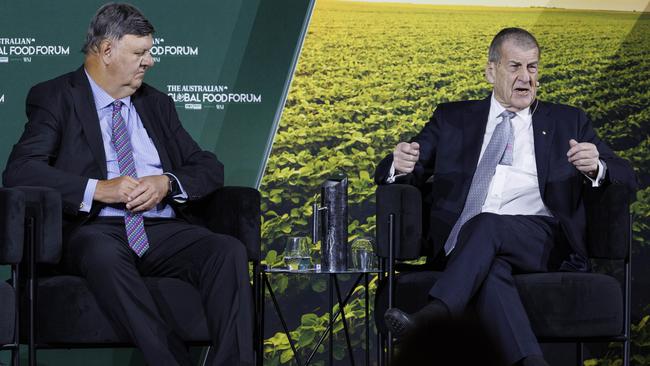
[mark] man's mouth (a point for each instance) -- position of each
(522, 91)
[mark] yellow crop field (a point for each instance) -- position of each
(371, 74)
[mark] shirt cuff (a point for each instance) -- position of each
(181, 197)
(392, 176)
(89, 193)
(598, 181)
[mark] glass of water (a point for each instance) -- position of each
(363, 253)
(296, 253)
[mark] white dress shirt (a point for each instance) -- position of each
(514, 189)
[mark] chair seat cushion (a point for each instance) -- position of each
(559, 304)
(68, 313)
(7, 313)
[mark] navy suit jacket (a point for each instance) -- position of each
(450, 145)
(62, 147)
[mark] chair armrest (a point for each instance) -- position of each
(608, 222)
(405, 202)
(12, 211)
(230, 210)
(43, 209)
(235, 211)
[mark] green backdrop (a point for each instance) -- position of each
(227, 64)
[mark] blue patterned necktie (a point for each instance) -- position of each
(121, 140)
(498, 150)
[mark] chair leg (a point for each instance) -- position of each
(580, 353)
(15, 356)
(626, 352)
(204, 361)
(15, 283)
(30, 234)
(391, 279)
(380, 349)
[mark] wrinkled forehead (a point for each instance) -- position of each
(519, 52)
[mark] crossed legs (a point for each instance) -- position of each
(479, 271)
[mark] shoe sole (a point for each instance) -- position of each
(395, 326)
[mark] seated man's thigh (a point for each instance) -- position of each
(182, 250)
(97, 247)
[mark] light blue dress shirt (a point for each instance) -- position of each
(145, 156)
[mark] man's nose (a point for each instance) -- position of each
(524, 76)
(147, 60)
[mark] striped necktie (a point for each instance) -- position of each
(498, 150)
(121, 140)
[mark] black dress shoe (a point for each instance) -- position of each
(399, 323)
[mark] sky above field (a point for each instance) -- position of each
(623, 5)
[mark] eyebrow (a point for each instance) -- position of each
(518, 63)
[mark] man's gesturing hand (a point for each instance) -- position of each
(584, 156)
(115, 190)
(149, 192)
(405, 156)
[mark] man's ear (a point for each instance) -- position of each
(489, 72)
(105, 51)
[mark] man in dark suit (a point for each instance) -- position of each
(507, 176)
(116, 151)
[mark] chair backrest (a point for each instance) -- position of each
(405, 202)
(608, 222)
(234, 211)
(43, 208)
(12, 204)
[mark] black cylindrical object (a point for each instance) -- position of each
(334, 224)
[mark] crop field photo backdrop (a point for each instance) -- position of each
(371, 74)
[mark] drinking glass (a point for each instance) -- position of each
(363, 253)
(296, 253)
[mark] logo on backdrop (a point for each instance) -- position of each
(2, 98)
(25, 49)
(197, 97)
(162, 49)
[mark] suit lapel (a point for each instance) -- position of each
(151, 124)
(86, 111)
(474, 124)
(543, 130)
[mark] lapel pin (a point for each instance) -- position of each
(543, 132)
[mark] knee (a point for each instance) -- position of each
(500, 273)
(482, 225)
(498, 285)
(229, 249)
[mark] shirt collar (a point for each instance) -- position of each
(496, 109)
(102, 98)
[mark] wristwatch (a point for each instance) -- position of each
(174, 188)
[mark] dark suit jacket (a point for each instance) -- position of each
(62, 147)
(450, 145)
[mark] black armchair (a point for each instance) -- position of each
(62, 313)
(562, 306)
(12, 204)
